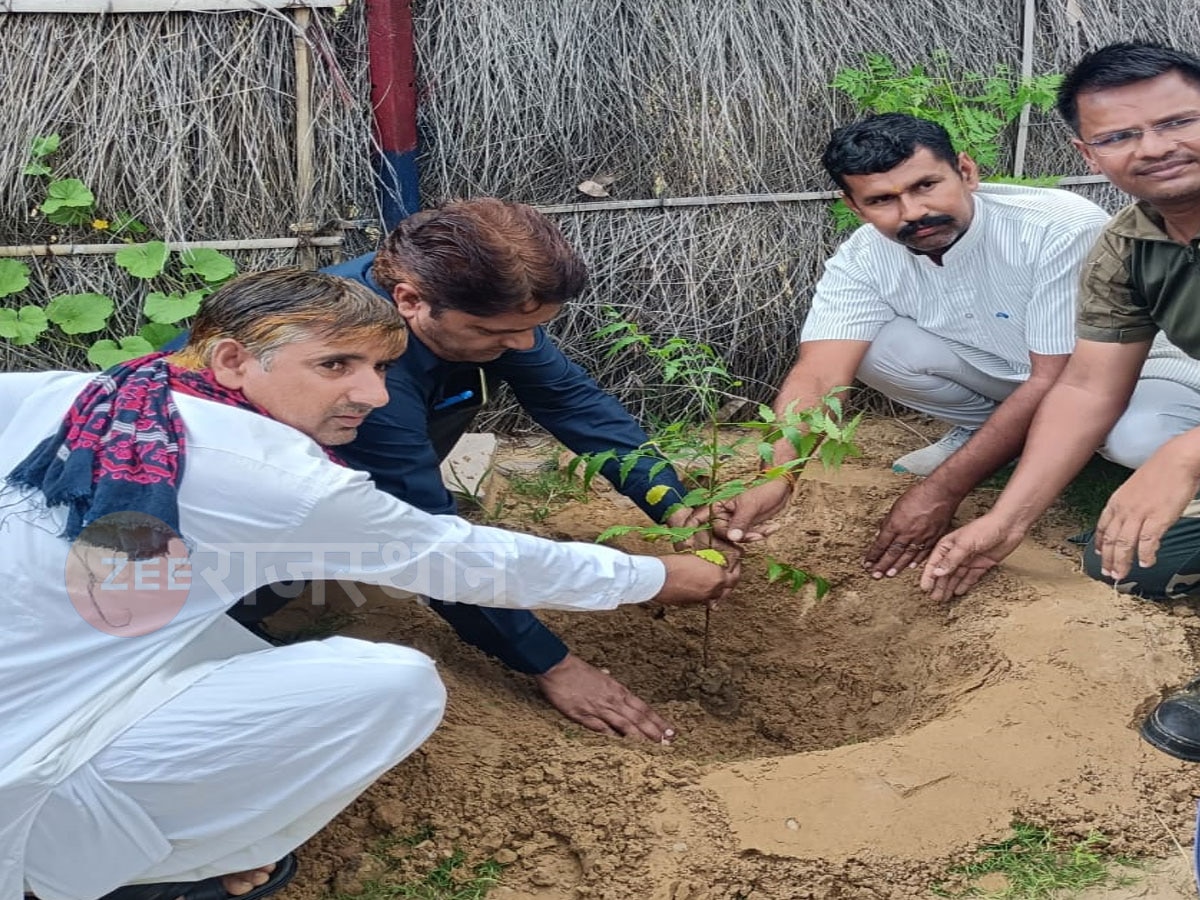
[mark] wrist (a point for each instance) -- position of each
(1182, 452)
(785, 482)
(942, 490)
(1015, 521)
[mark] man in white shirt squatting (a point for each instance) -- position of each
(138, 506)
(955, 299)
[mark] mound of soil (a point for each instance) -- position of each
(851, 747)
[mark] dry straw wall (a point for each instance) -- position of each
(187, 121)
(677, 98)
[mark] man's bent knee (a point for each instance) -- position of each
(399, 678)
(1157, 583)
(1133, 440)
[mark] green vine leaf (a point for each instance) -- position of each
(158, 334)
(23, 326)
(106, 353)
(144, 260)
(79, 313)
(166, 309)
(14, 276)
(70, 215)
(36, 168)
(124, 223)
(209, 264)
(70, 193)
(44, 145)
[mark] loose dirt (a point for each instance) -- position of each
(852, 747)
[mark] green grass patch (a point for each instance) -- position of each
(450, 879)
(1088, 491)
(546, 490)
(1036, 864)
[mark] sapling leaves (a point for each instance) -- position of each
(655, 495)
(651, 532)
(703, 454)
(628, 464)
(592, 464)
(658, 467)
(794, 577)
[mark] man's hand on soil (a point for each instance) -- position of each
(596, 700)
(691, 580)
(964, 556)
(910, 529)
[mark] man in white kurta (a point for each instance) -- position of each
(133, 759)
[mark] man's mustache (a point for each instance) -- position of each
(907, 231)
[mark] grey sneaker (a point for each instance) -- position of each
(923, 461)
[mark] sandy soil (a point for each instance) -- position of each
(859, 746)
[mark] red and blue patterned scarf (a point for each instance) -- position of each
(121, 450)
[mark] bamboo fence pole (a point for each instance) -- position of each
(304, 131)
(1030, 19)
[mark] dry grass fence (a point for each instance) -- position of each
(187, 121)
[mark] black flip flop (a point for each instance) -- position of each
(208, 889)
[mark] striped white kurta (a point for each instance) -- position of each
(1005, 290)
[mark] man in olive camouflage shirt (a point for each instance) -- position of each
(1135, 110)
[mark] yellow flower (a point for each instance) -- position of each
(100, 224)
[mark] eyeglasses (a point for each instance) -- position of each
(1119, 142)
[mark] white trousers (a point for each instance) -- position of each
(239, 769)
(930, 375)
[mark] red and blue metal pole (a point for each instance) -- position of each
(394, 100)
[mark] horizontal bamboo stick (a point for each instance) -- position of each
(97, 249)
(155, 6)
(335, 241)
(732, 199)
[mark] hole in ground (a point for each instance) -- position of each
(789, 673)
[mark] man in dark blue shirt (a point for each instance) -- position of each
(476, 281)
